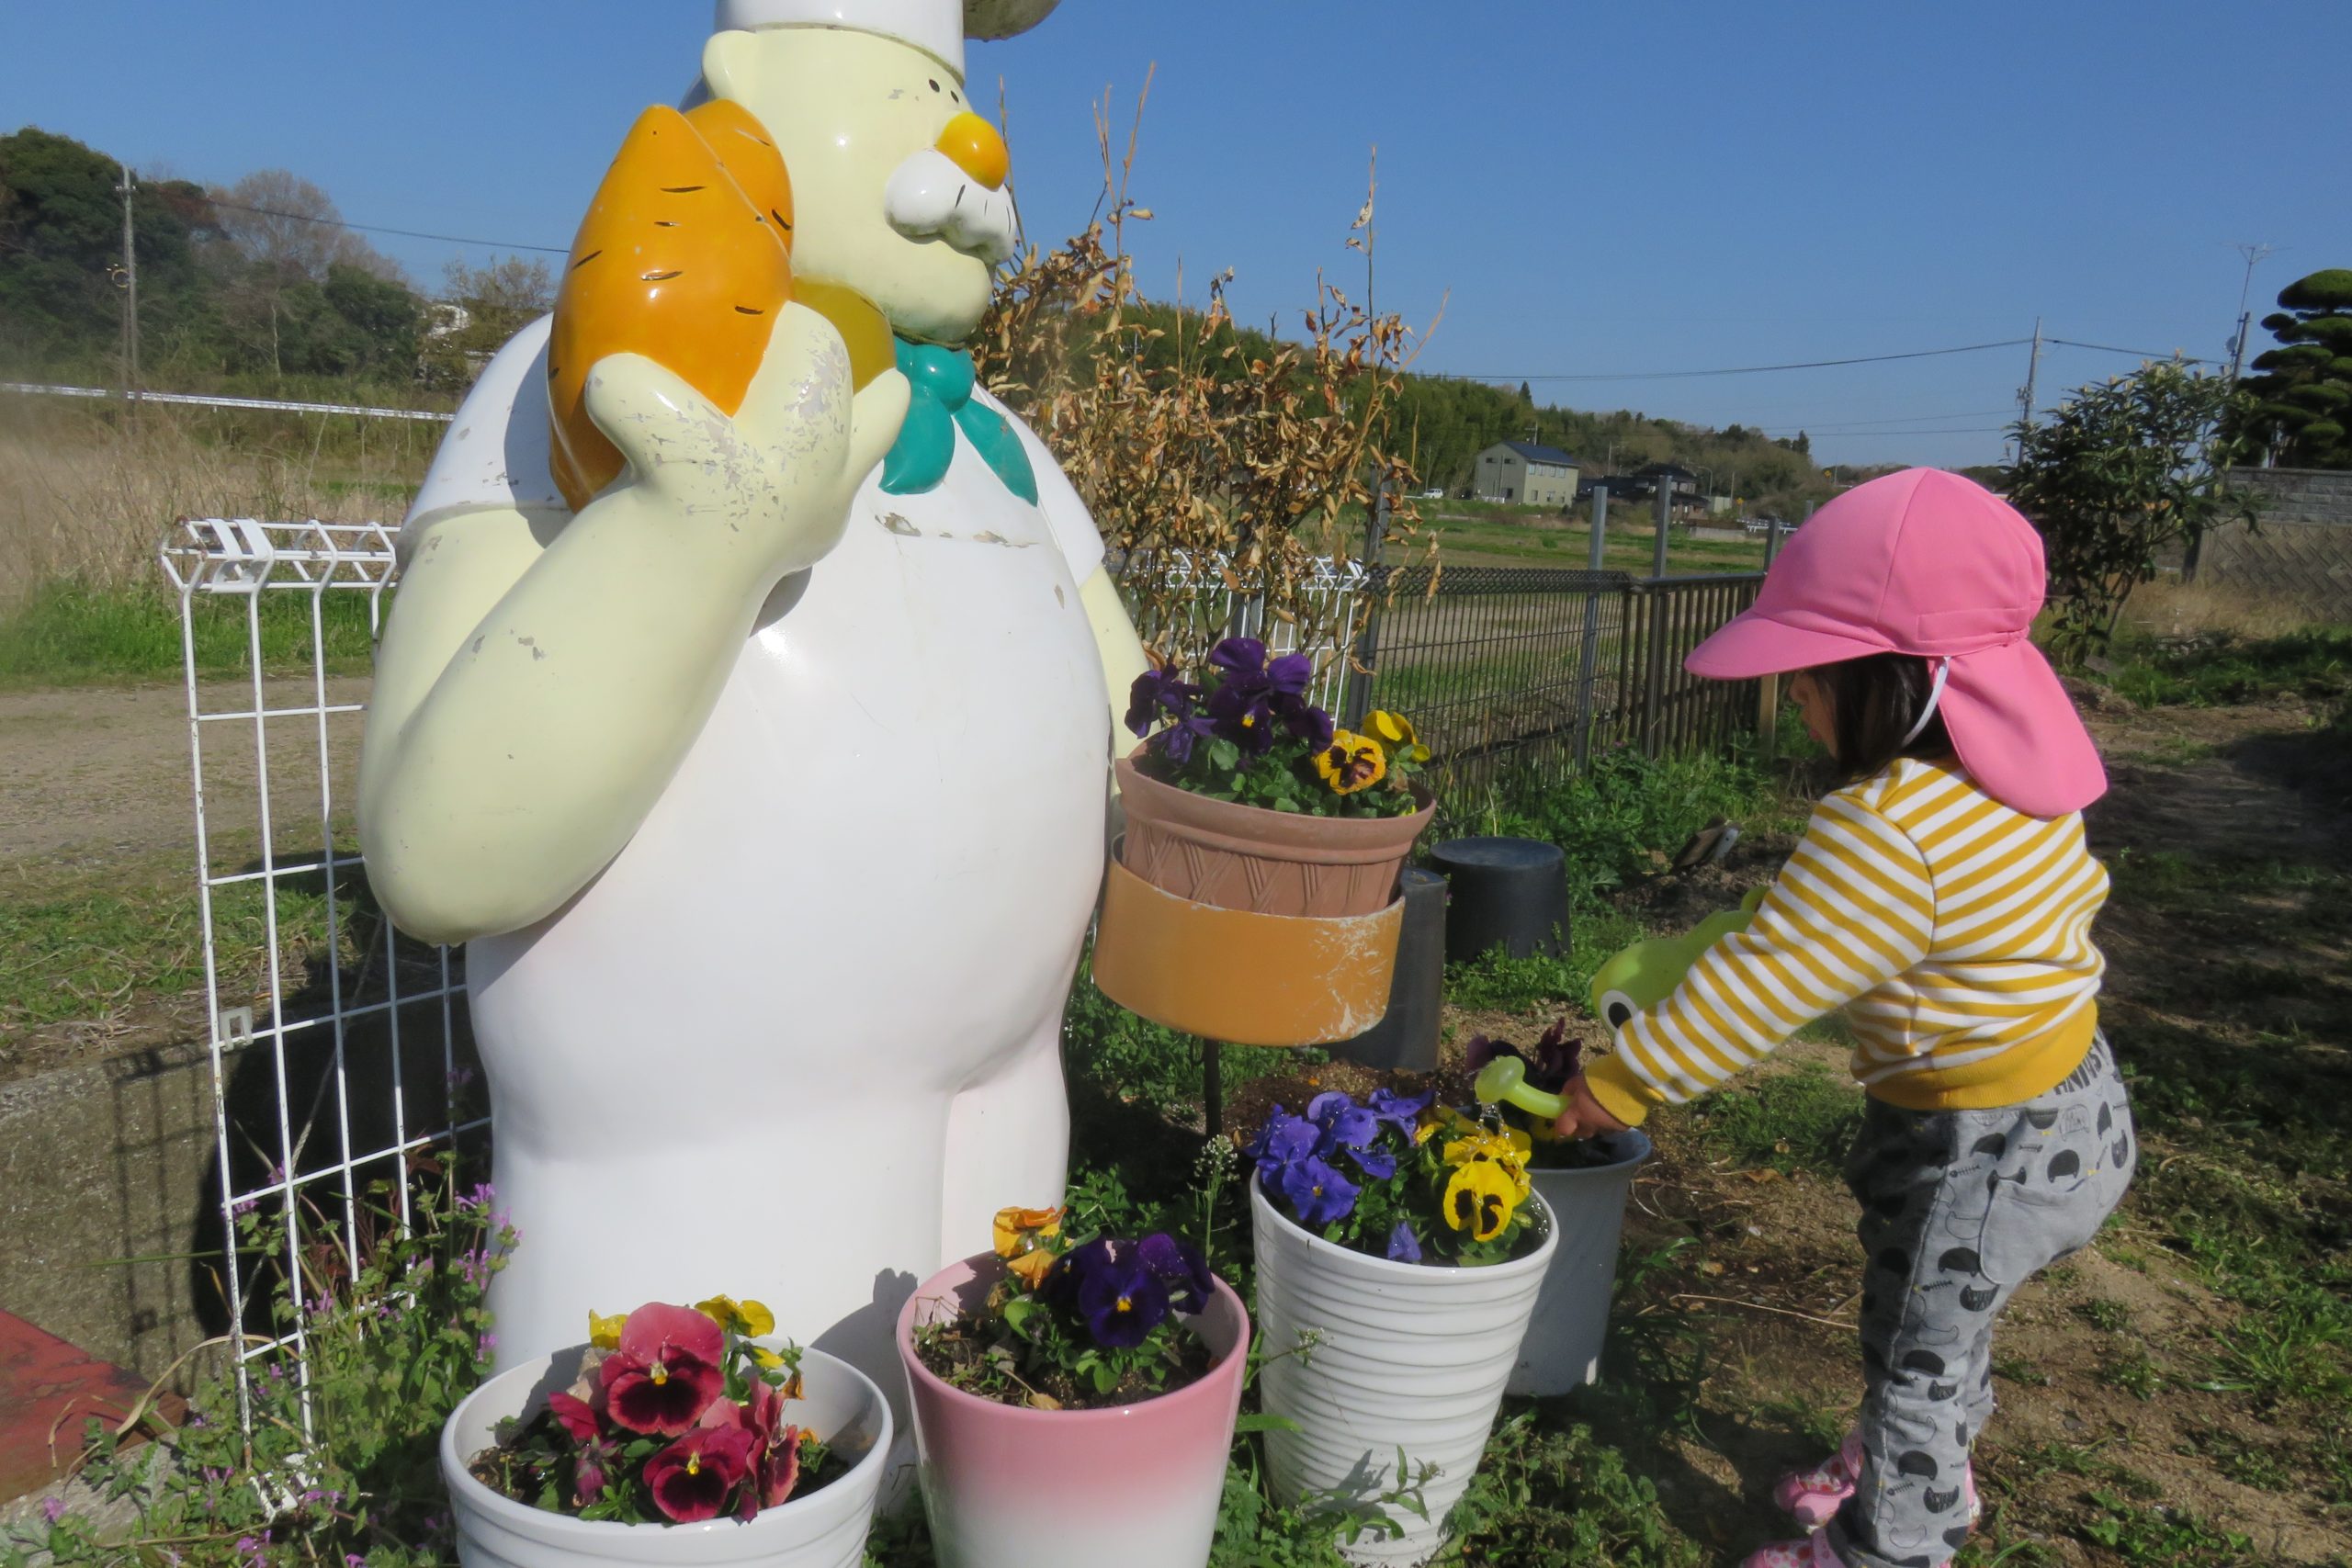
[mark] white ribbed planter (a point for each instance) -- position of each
(1409, 1357)
(825, 1529)
(1562, 1349)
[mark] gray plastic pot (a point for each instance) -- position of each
(1561, 1349)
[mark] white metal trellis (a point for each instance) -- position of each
(227, 569)
(1214, 605)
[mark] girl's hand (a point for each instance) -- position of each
(1584, 1117)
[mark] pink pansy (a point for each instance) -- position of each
(665, 1374)
(575, 1415)
(690, 1478)
(777, 1463)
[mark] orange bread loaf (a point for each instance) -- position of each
(684, 257)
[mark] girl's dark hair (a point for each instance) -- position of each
(1873, 702)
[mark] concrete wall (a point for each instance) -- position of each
(2299, 495)
(2300, 552)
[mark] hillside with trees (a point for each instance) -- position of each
(257, 289)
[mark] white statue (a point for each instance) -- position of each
(769, 800)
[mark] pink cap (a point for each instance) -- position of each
(1926, 562)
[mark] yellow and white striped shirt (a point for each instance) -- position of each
(1954, 931)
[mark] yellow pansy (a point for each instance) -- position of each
(1020, 1230)
(1396, 731)
(1351, 763)
(1480, 1198)
(605, 1333)
(748, 1318)
(1031, 1266)
(1506, 1150)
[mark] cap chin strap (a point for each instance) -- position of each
(1935, 694)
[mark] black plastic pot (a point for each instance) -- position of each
(1505, 893)
(1406, 1038)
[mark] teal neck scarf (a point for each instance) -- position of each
(941, 380)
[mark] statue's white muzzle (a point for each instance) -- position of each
(930, 197)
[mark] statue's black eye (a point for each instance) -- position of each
(934, 87)
(954, 96)
(1619, 1015)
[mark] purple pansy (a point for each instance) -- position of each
(1404, 1246)
(1399, 1111)
(1181, 1269)
(1239, 655)
(1289, 674)
(1121, 1299)
(1285, 1140)
(1156, 693)
(1243, 711)
(1318, 1194)
(1345, 1125)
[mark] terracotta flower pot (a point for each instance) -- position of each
(1138, 1485)
(1268, 863)
(1410, 1361)
(824, 1529)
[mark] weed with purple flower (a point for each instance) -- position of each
(1247, 732)
(1399, 1177)
(1082, 1326)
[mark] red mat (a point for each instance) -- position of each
(42, 1379)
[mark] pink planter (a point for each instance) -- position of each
(1011, 1488)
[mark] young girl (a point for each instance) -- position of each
(1944, 898)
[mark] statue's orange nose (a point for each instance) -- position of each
(973, 145)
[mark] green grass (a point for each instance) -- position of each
(1801, 1120)
(72, 949)
(68, 635)
(2315, 664)
(1540, 539)
(2173, 1538)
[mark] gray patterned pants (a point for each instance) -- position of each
(1958, 1209)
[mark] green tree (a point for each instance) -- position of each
(2303, 402)
(2117, 476)
(61, 254)
(481, 308)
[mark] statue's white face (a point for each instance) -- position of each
(877, 204)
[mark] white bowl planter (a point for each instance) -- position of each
(1409, 1356)
(826, 1529)
(1562, 1349)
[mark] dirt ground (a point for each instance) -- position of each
(91, 773)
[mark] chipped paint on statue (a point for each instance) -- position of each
(767, 788)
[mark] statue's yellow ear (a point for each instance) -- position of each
(728, 65)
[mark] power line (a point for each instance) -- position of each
(1750, 369)
(404, 233)
(2134, 352)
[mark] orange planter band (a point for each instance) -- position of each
(1243, 978)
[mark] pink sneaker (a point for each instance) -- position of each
(1812, 1497)
(1813, 1552)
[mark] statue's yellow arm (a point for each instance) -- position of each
(1122, 651)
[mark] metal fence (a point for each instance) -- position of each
(1518, 674)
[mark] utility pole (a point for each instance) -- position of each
(2033, 372)
(130, 288)
(2256, 253)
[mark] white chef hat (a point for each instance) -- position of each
(937, 27)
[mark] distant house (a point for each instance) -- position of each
(1521, 472)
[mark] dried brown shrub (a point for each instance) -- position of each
(1183, 436)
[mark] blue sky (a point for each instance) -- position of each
(1592, 189)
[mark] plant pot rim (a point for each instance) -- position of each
(1639, 1149)
(1352, 832)
(841, 1491)
(1531, 1263)
(927, 1381)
